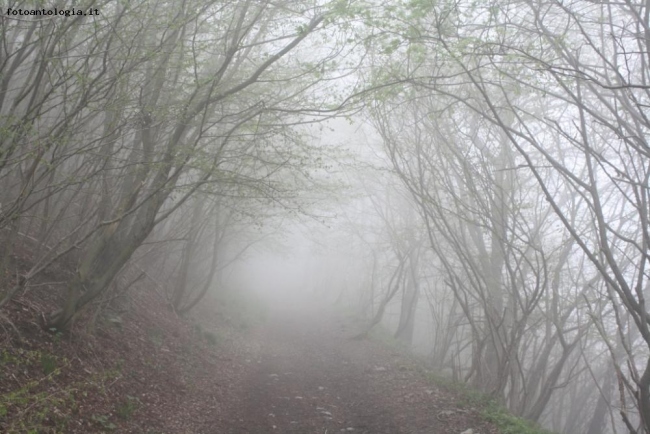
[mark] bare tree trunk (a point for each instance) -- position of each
(406, 326)
(187, 257)
(396, 282)
(110, 250)
(597, 423)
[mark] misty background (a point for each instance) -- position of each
(470, 178)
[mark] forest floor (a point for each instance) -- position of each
(134, 367)
(307, 374)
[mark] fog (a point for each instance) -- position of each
(469, 180)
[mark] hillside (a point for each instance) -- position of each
(133, 366)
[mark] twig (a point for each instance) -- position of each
(5, 319)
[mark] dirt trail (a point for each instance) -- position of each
(305, 375)
(299, 371)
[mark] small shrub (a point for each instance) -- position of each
(37, 410)
(508, 423)
(489, 409)
(57, 337)
(7, 358)
(48, 363)
(128, 407)
(104, 422)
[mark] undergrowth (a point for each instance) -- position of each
(488, 408)
(506, 422)
(40, 403)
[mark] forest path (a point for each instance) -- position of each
(304, 374)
